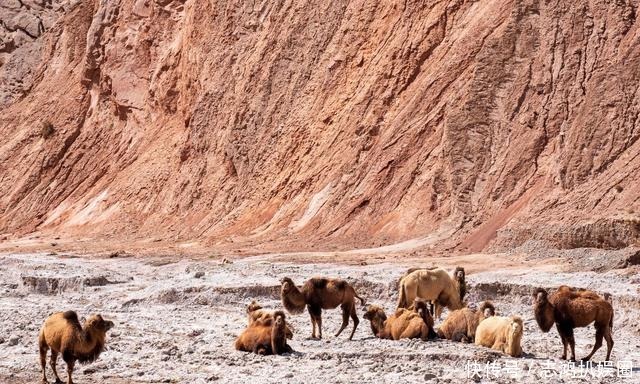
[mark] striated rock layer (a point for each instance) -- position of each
(313, 124)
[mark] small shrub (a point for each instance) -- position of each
(46, 129)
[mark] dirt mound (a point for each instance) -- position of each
(56, 285)
(303, 125)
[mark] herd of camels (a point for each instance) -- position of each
(423, 293)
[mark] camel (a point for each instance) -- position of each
(458, 274)
(461, 324)
(255, 312)
(573, 308)
(404, 324)
(318, 294)
(265, 338)
(435, 285)
(63, 334)
(503, 334)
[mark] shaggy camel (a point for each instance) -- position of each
(571, 308)
(404, 324)
(318, 294)
(435, 285)
(265, 338)
(461, 324)
(255, 312)
(503, 334)
(63, 334)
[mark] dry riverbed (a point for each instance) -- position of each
(176, 322)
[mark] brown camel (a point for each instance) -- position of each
(265, 337)
(461, 324)
(572, 308)
(404, 324)
(255, 312)
(318, 294)
(435, 285)
(63, 334)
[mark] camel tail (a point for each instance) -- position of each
(362, 301)
(610, 300)
(42, 342)
(402, 297)
(611, 322)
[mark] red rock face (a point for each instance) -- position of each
(328, 125)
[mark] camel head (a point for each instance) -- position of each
(516, 326)
(459, 276)
(254, 306)
(420, 306)
(514, 337)
(543, 309)
(487, 309)
(97, 324)
(540, 296)
(373, 312)
(292, 299)
(287, 284)
(279, 319)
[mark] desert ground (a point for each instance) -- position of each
(176, 321)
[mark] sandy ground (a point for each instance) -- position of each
(174, 327)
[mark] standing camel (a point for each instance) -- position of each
(321, 293)
(573, 308)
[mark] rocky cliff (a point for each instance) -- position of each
(295, 124)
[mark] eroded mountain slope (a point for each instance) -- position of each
(328, 124)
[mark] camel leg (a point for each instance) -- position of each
(438, 311)
(607, 336)
(498, 346)
(565, 346)
(70, 365)
(563, 337)
(345, 318)
(316, 319)
(572, 345)
(597, 345)
(313, 323)
(319, 321)
(354, 317)
(43, 362)
(54, 363)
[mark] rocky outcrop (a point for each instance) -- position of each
(22, 24)
(301, 125)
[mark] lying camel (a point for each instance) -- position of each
(432, 284)
(255, 312)
(573, 308)
(404, 324)
(63, 334)
(318, 294)
(265, 338)
(461, 324)
(503, 334)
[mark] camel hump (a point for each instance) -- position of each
(340, 284)
(71, 316)
(319, 282)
